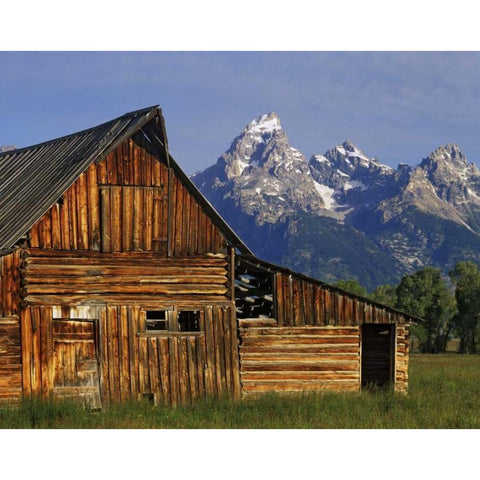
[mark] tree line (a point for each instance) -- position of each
(449, 305)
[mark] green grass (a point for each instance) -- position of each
(444, 393)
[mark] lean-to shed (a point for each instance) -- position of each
(118, 279)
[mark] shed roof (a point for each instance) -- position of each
(255, 262)
(32, 179)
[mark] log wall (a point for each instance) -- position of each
(128, 202)
(136, 363)
(55, 277)
(301, 302)
(294, 359)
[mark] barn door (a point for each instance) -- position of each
(378, 354)
(75, 360)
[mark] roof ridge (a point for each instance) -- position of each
(80, 132)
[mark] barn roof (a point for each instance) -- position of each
(32, 179)
(255, 262)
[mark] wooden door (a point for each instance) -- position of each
(75, 360)
(378, 354)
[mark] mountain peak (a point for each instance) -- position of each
(450, 153)
(267, 123)
(349, 145)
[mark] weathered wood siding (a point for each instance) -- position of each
(401, 358)
(133, 362)
(275, 359)
(10, 350)
(128, 202)
(301, 302)
(55, 277)
(10, 359)
(9, 284)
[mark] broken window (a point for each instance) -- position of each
(188, 321)
(156, 320)
(253, 292)
(172, 320)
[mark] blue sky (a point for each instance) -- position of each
(396, 106)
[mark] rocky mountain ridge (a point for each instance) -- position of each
(280, 203)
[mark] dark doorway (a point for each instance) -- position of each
(378, 354)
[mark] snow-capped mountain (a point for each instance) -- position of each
(342, 214)
(262, 174)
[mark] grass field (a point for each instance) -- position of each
(444, 393)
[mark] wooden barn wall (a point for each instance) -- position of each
(401, 359)
(134, 363)
(10, 352)
(56, 277)
(275, 359)
(9, 284)
(128, 202)
(300, 302)
(10, 359)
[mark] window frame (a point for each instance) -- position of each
(171, 318)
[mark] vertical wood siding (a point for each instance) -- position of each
(10, 348)
(134, 363)
(300, 302)
(10, 359)
(401, 361)
(10, 284)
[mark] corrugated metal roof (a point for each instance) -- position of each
(272, 267)
(33, 178)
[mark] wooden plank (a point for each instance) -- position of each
(154, 370)
(299, 366)
(164, 361)
(124, 374)
(183, 371)
(138, 215)
(105, 221)
(210, 373)
(46, 339)
(201, 374)
(170, 213)
(93, 208)
(185, 220)
(132, 327)
(178, 217)
(174, 373)
(82, 212)
(127, 219)
(227, 346)
(113, 360)
(220, 348)
(326, 332)
(56, 228)
(192, 367)
(26, 336)
(73, 226)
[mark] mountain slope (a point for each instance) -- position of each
(342, 214)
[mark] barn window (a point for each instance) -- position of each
(188, 321)
(163, 321)
(156, 320)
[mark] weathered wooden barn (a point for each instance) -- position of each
(118, 279)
